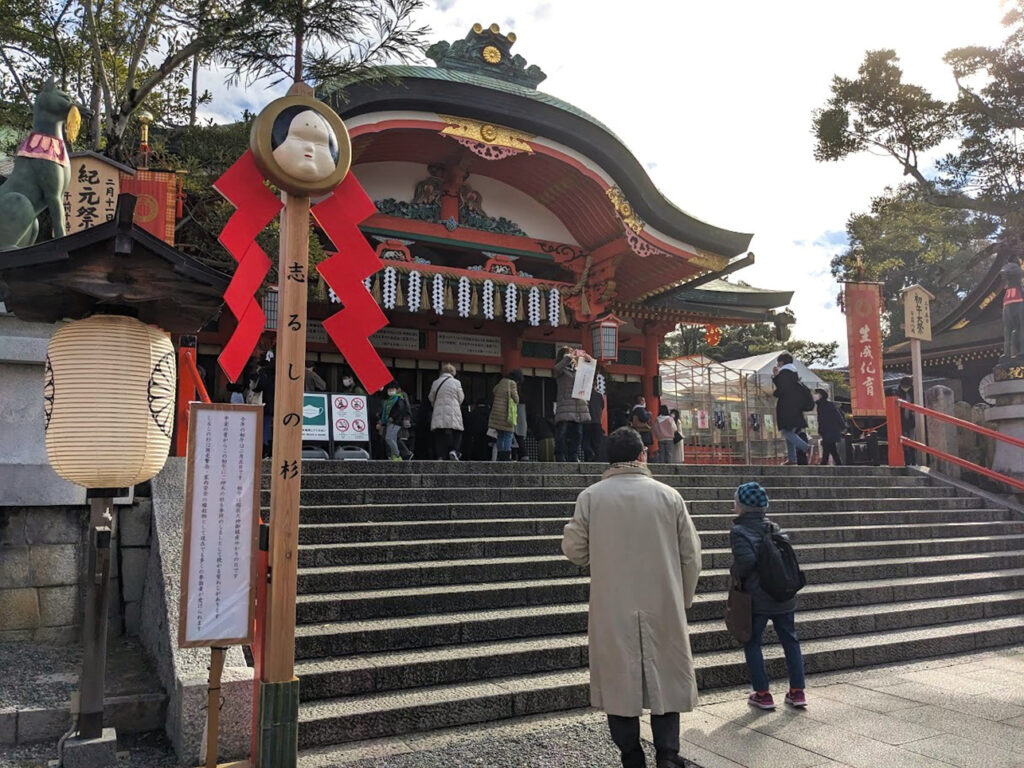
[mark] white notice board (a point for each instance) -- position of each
(222, 495)
(349, 420)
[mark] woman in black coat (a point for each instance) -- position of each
(831, 426)
(789, 407)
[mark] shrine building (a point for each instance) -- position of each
(511, 223)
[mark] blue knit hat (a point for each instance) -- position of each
(752, 496)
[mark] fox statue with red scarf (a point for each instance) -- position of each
(1013, 310)
(42, 170)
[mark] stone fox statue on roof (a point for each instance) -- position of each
(42, 170)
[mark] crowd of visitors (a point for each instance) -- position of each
(446, 425)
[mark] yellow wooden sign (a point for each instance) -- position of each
(917, 313)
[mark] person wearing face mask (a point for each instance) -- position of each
(831, 426)
(396, 417)
(349, 386)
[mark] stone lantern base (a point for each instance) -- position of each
(1007, 416)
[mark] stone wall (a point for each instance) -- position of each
(43, 571)
(26, 478)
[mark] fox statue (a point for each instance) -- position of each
(42, 171)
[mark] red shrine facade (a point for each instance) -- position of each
(510, 224)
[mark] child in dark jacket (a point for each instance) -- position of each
(749, 529)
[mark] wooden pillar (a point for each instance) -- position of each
(455, 177)
(279, 690)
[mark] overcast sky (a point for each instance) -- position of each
(715, 100)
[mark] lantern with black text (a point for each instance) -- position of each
(109, 401)
(604, 336)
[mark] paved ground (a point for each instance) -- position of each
(965, 711)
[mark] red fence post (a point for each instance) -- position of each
(894, 432)
(186, 393)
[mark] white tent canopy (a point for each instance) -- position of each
(760, 366)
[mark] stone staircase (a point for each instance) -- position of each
(434, 595)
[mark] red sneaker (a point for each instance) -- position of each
(761, 700)
(796, 698)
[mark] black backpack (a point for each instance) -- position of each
(778, 568)
(807, 399)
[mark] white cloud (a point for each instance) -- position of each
(715, 99)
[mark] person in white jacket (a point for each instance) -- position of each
(446, 397)
(644, 555)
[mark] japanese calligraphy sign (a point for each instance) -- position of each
(349, 420)
(917, 314)
(91, 197)
(222, 494)
(864, 337)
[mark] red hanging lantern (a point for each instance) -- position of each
(713, 335)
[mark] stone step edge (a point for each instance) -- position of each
(513, 646)
(129, 713)
(379, 702)
(330, 629)
(385, 543)
(711, 572)
(701, 596)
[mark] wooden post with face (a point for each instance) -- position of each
(312, 159)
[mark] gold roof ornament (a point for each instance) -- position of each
(624, 210)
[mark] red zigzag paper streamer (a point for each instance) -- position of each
(242, 185)
(352, 327)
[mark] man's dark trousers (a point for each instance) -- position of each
(626, 735)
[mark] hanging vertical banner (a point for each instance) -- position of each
(864, 339)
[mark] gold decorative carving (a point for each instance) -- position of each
(491, 54)
(625, 210)
(962, 324)
(486, 133)
(988, 299)
(1010, 373)
(709, 260)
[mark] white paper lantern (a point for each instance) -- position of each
(109, 400)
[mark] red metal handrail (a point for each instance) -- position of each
(939, 416)
(1018, 484)
(896, 446)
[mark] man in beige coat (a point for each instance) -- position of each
(644, 556)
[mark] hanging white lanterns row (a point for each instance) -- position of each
(494, 299)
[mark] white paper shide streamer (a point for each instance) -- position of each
(415, 291)
(389, 289)
(437, 292)
(511, 303)
(554, 307)
(465, 296)
(488, 299)
(533, 306)
(599, 383)
(334, 297)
